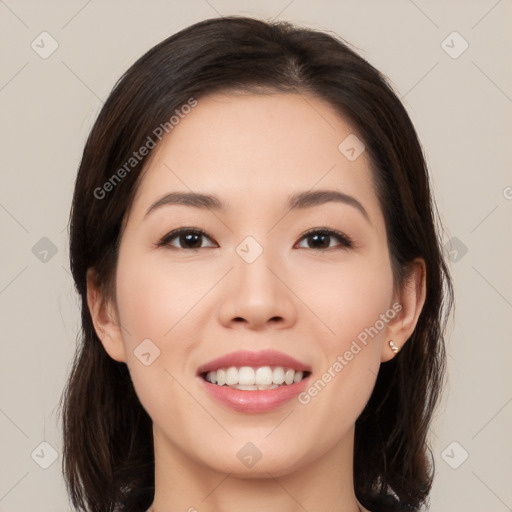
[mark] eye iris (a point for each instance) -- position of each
(319, 240)
(190, 239)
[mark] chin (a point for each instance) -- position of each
(248, 463)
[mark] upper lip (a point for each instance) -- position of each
(254, 359)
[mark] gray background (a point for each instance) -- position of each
(461, 104)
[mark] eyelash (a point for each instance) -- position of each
(345, 241)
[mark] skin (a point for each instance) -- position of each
(294, 298)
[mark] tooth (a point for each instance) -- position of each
(212, 377)
(221, 377)
(245, 388)
(289, 375)
(246, 376)
(278, 375)
(263, 376)
(231, 376)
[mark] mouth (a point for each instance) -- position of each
(253, 382)
(248, 378)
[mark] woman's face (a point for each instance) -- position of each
(260, 278)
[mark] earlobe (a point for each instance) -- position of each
(104, 319)
(411, 299)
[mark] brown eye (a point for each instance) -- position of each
(322, 239)
(185, 238)
(193, 239)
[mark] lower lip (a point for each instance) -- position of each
(254, 401)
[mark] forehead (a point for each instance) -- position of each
(255, 148)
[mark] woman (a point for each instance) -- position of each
(264, 295)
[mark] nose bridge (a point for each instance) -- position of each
(252, 272)
(256, 295)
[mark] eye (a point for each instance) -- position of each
(187, 238)
(192, 239)
(321, 239)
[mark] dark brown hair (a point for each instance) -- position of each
(108, 459)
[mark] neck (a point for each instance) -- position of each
(322, 484)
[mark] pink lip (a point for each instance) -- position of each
(254, 401)
(247, 358)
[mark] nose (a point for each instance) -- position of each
(257, 296)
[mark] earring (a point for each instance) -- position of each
(394, 348)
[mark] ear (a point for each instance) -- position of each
(105, 319)
(408, 304)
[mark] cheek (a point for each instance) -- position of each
(348, 297)
(157, 304)
(350, 301)
(153, 299)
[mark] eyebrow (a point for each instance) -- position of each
(299, 200)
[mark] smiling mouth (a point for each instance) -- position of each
(259, 378)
